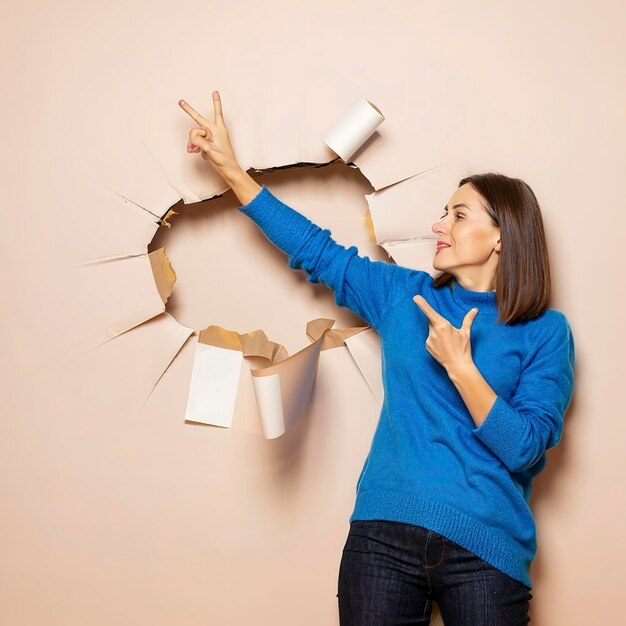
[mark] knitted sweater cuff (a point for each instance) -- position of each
(504, 432)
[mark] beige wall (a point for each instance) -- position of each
(111, 515)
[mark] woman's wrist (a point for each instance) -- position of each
(242, 184)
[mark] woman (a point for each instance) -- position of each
(476, 387)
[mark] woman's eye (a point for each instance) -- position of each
(446, 215)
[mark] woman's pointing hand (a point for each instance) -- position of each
(211, 139)
(449, 345)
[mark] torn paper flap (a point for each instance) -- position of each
(369, 227)
(283, 398)
(118, 294)
(353, 128)
(164, 220)
(163, 273)
(321, 328)
(409, 208)
(269, 397)
(403, 214)
(365, 349)
(252, 344)
(132, 364)
(415, 254)
(213, 386)
(110, 224)
(217, 389)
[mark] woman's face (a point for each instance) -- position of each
(473, 240)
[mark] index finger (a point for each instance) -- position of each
(193, 113)
(217, 105)
(431, 314)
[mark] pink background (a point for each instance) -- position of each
(115, 515)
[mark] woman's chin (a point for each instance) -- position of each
(441, 267)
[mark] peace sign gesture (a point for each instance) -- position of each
(211, 139)
(449, 345)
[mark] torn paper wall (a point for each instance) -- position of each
(242, 381)
(227, 388)
(222, 384)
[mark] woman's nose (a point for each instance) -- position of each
(436, 227)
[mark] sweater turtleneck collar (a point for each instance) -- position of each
(484, 300)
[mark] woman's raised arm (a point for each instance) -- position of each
(369, 288)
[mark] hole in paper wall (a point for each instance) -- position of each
(229, 274)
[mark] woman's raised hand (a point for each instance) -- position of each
(211, 139)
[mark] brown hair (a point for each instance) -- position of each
(522, 277)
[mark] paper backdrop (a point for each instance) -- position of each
(115, 508)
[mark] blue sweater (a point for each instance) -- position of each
(429, 464)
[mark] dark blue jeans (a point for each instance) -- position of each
(390, 573)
